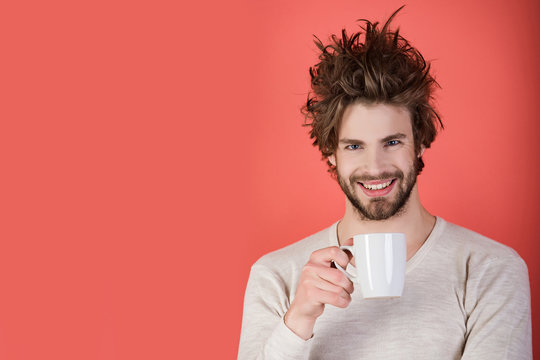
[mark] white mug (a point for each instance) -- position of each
(380, 264)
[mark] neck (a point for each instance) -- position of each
(414, 221)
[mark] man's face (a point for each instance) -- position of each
(375, 159)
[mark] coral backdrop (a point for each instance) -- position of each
(151, 151)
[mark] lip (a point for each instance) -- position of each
(379, 192)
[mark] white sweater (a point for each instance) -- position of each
(465, 297)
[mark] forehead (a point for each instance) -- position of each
(374, 121)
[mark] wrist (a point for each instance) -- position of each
(302, 326)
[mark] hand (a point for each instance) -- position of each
(319, 284)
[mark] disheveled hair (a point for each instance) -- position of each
(384, 68)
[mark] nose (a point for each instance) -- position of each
(375, 161)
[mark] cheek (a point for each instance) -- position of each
(407, 158)
(345, 169)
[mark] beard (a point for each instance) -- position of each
(380, 208)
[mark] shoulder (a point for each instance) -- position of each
(475, 248)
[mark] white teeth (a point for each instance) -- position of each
(378, 186)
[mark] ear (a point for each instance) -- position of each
(332, 159)
(422, 149)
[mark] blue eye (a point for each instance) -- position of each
(393, 142)
(352, 147)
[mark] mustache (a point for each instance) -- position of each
(382, 176)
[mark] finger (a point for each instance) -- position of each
(341, 299)
(314, 273)
(327, 255)
(331, 287)
(336, 278)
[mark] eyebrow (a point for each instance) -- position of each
(395, 136)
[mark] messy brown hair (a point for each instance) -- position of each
(385, 68)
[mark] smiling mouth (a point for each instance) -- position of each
(378, 186)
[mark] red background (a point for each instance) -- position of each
(151, 151)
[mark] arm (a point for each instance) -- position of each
(274, 328)
(264, 334)
(499, 311)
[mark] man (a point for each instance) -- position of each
(465, 296)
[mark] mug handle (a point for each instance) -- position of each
(350, 249)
